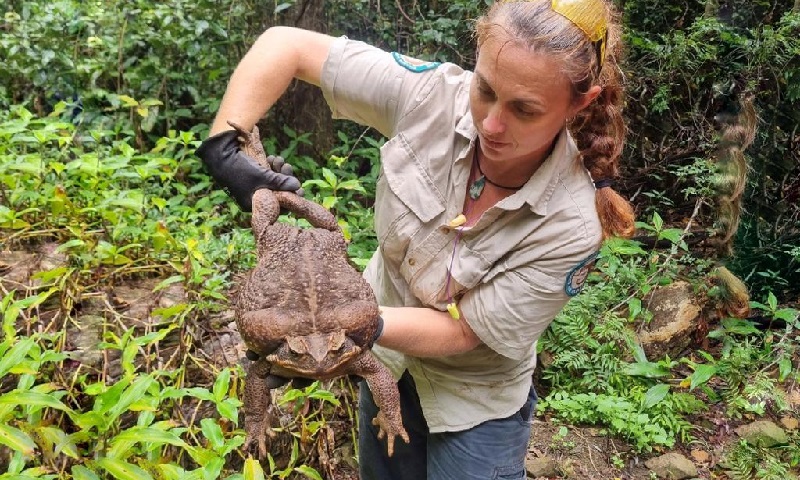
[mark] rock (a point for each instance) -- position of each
(763, 433)
(672, 466)
(675, 314)
(789, 423)
(85, 337)
(700, 456)
(541, 467)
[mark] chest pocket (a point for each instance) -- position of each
(408, 199)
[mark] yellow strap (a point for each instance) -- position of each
(588, 15)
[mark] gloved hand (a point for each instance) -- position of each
(276, 381)
(239, 174)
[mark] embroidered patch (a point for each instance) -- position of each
(413, 64)
(577, 276)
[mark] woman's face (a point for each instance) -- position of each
(519, 100)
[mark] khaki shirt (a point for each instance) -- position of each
(511, 271)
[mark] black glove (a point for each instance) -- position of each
(276, 381)
(237, 173)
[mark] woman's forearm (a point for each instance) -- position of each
(280, 55)
(425, 332)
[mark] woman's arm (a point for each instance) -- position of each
(425, 332)
(280, 55)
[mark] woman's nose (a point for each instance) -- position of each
(493, 123)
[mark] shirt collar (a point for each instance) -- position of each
(538, 190)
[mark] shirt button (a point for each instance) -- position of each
(411, 261)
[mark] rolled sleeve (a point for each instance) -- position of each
(510, 312)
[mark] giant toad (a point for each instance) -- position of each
(304, 310)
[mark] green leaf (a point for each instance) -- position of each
(32, 399)
(17, 353)
(634, 308)
(222, 385)
(671, 234)
(229, 408)
(654, 395)
(128, 101)
(63, 443)
(352, 185)
(658, 222)
(646, 369)
(739, 326)
(772, 301)
(329, 202)
(308, 472)
(79, 472)
(132, 394)
(122, 470)
(784, 368)
(212, 431)
(702, 374)
(16, 440)
(330, 177)
(151, 435)
(252, 470)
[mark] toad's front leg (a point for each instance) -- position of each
(257, 404)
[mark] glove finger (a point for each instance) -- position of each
(275, 381)
(277, 163)
(251, 355)
(300, 382)
(300, 192)
(276, 181)
(287, 169)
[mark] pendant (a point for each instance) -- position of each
(476, 188)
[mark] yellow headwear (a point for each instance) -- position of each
(590, 17)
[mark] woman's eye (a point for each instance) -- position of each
(526, 113)
(485, 92)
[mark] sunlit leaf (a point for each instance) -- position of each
(308, 472)
(252, 470)
(16, 440)
(32, 399)
(122, 470)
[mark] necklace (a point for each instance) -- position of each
(476, 187)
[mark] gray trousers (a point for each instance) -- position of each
(492, 450)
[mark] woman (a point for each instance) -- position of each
(488, 212)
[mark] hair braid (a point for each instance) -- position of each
(599, 131)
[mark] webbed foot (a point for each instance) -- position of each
(390, 427)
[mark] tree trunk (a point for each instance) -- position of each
(712, 8)
(302, 108)
(796, 8)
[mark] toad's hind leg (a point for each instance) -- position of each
(257, 405)
(266, 209)
(315, 213)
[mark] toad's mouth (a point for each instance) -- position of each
(314, 356)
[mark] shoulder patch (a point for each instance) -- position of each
(577, 276)
(413, 64)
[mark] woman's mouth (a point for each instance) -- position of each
(492, 144)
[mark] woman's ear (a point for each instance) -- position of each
(584, 100)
